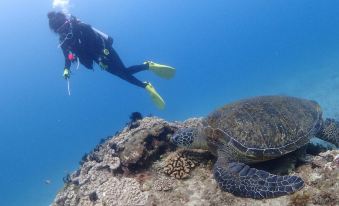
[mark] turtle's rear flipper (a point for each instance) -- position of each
(243, 181)
(330, 132)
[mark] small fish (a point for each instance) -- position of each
(47, 182)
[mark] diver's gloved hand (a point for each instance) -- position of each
(67, 73)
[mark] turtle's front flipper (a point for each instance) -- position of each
(243, 181)
(330, 132)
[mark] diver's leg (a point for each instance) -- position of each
(161, 70)
(125, 75)
(330, 132)
(137, 68)
(116, 66)
(114, 61)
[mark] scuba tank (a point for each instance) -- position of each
(108, 39)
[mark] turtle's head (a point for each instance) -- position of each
(184, 137)
(189, 138)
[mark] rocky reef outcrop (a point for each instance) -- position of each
(137, 166)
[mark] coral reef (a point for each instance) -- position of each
(139, 166)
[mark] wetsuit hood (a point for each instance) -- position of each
(57, 20)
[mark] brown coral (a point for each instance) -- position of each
(178, 165)
(143, 146)
(325, 198)
(143, 177)
(300, 199)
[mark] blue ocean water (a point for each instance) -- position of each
(222, 50)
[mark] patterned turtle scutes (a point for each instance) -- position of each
(185, 137)
(216, 136)
(243, 181)
(330, 131)
(267, 126)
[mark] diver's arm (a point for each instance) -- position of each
(67, 61)
(67, 72)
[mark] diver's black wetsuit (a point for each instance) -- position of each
(89, 44)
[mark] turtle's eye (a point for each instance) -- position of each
(176, 139)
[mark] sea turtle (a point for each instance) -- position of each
(255, 130)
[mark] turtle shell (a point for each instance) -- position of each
(266, 126)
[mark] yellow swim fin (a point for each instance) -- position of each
(161, 70)
(156, 98)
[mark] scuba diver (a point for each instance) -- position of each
(81, 42)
